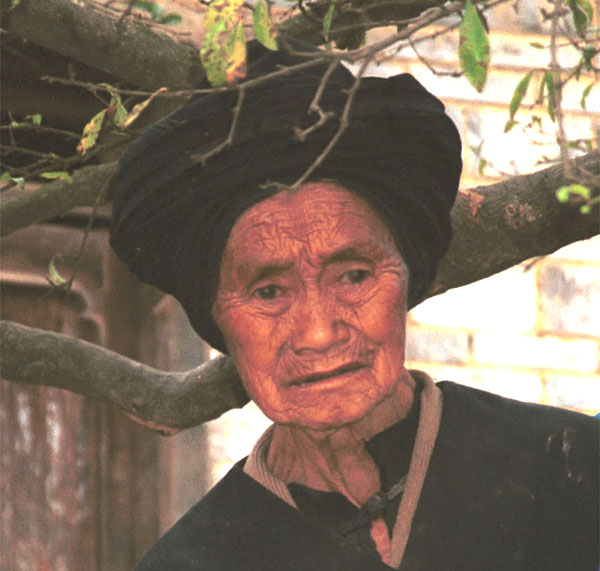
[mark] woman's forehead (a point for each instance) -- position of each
(322, 207)
(318, 223)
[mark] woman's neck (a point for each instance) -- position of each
(337, 460)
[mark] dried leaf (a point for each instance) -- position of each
(212, 56)
(139, 107)
(474, 47)
(263, 26)
(236, 55)
(222, 49)
(91, 132)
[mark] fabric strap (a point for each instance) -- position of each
(429, 423)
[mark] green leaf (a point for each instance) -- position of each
(549, 81)
(120, 113)
(541, 90)
(583, 14)
(585, 94)
(143, 5)
(537, 45)
(474, 47)
(55, 277)
(6, 177)
(139, 107)
(585, 209)
(91, 132)
(587, 55)
(328, 20)
(564, 193)
(35, 119)
(154, 9)
(263, 26)
(509, 125)
(170, 19)
(157, 11)
(518, 95)
(57, 175)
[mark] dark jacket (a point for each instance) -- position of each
(511, 486)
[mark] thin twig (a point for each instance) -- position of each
(315, 106)
(39, 129)
(555, 98)
(203, 158)
(425, 62)
(344, 122)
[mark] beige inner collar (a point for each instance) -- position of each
(429, 423)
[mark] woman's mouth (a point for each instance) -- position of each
(328, 374)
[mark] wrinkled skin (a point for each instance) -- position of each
(312, 305)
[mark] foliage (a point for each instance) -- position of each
(474, 48)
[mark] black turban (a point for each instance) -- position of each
(172, 215)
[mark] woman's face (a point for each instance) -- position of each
(312, 305)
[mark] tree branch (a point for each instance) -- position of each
(495, 227)
(167, 402)
(87, 186)
(499, 226)
(135, 54)
(130, 52)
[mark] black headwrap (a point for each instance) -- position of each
(172, 215)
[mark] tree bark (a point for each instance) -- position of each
(167, 402)
(130, 52)
(133, 53)
(499, 226)
(87, 187)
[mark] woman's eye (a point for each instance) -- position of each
(267, 293)
(355, 276)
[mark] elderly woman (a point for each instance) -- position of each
(367, 465)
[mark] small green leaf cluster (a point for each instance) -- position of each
(35, 119)
(158, 13)
(7, 177)
(578, 191)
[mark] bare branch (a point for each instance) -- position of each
(499, 226)
(86, 187)
(131, 52)
(167, 402)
